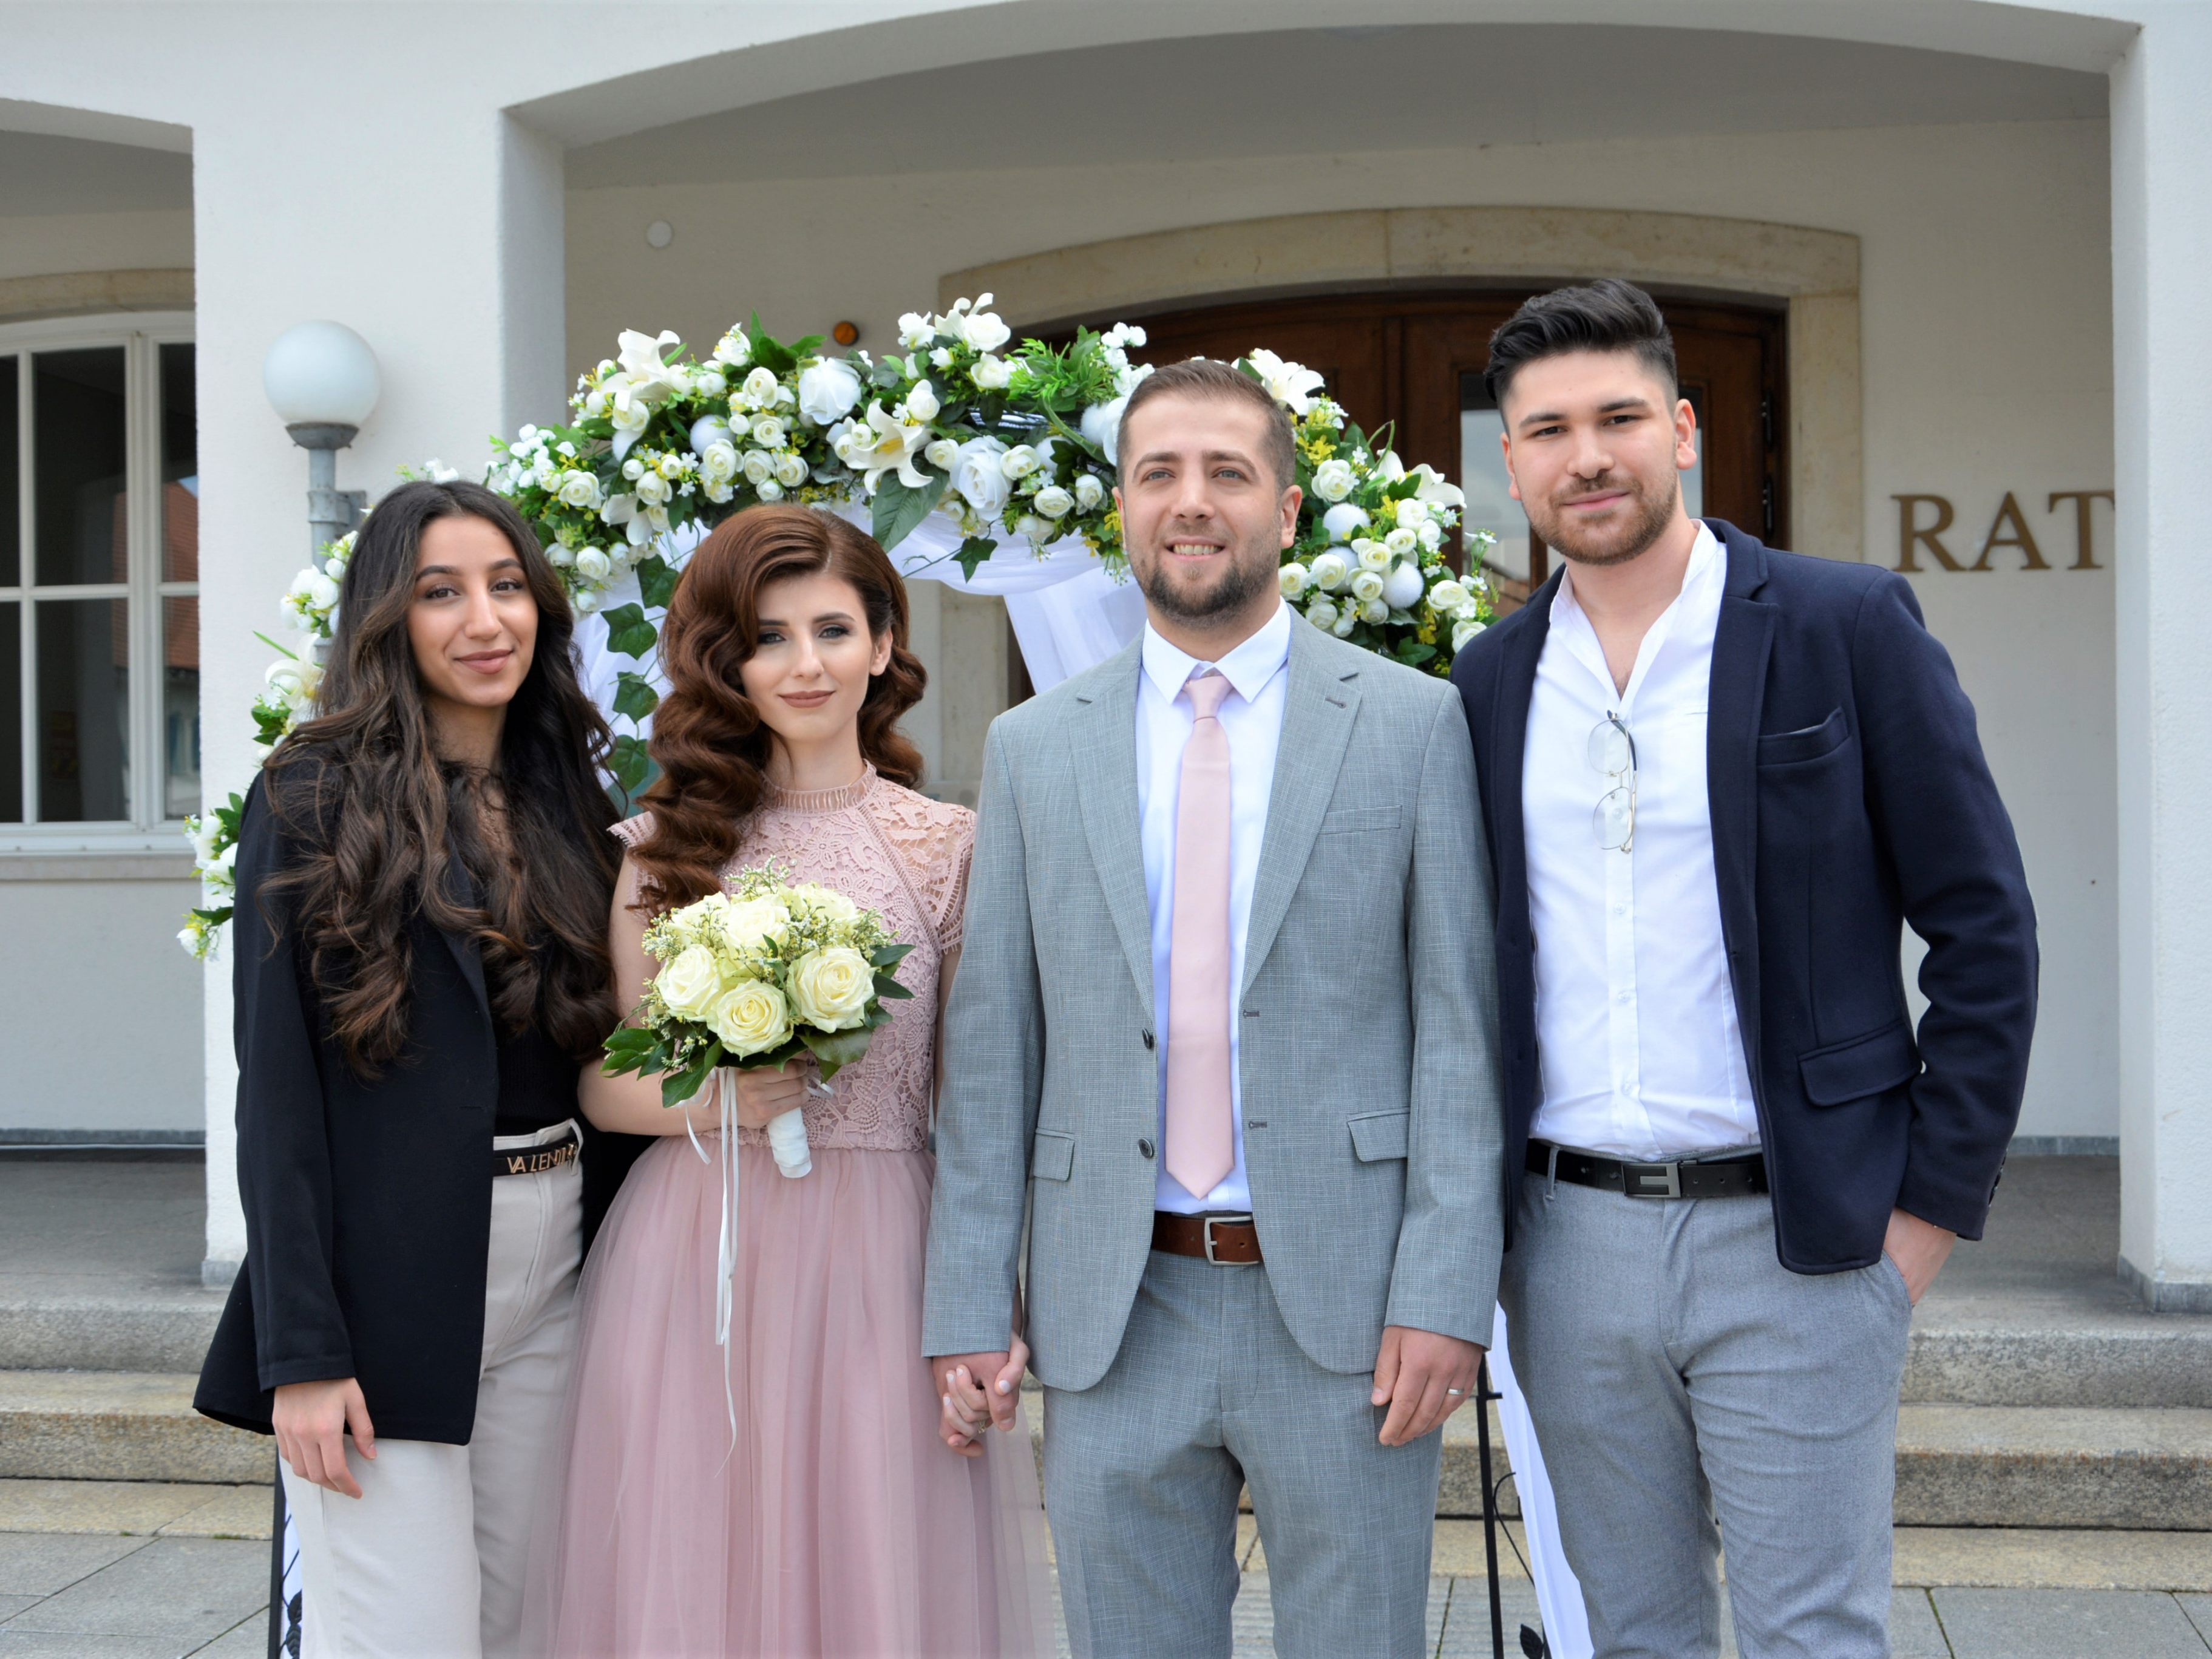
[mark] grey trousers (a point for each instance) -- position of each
(1677, 1375)
(1209, 1393)
(427, 1562)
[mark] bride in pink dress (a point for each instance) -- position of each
(841, 1522)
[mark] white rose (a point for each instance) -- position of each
(1041, 532)
(992, 373)
(830, 988)
(984, 331)
(1329, 571)
(321, 591)
(1053, 501)
(1401, 541)
(1344, 624)
(718, 463)
(1333, 480)
(749, 924)
(689, 983)
(579, 489)
(1089, 492)
(1377, 611)
(1322, 613)
(1102, 426)
(758, 467)
(791, 470)
(1431, 535)
(769, 433)
(1447, 596)
(750, 1017)
(653, 490)
(1340, 521)
(979, 474)
(768, 490)
(759, 390)
(633, 469)
(826, 902)
(707, 431)
(1366, 587)
(1462, 632)
(922, 403)
(1294, 579)
(593, 565)
(942, 453)
(1019, 461)
(1373, 554)
(1402, 588)
(672, 467)
(586, 602)
(734, 348)
(1413, 513)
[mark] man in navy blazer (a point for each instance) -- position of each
(1716, 781)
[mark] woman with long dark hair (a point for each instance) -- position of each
(829, 1518)
(421, 968)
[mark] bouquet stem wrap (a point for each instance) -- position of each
(786, 1138)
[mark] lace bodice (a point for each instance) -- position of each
(905, 856)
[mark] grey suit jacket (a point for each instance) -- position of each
(1369, 1053)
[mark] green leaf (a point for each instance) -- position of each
(1414, 653)
(656, 580)
(889, 955)
(677, 1087)
(972, 553)
(277, 648)
(635, 695)
(629, 763)
(768, 354)
(834, 1049)
(890, 989)
(898, 508)
(628, 633)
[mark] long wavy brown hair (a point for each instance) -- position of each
(381, 830)
(711, 742)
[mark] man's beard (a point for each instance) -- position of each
(1655, 514)
(1242, 580)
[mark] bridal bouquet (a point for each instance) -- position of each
(761, 974)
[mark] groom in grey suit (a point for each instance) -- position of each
(1225, 1018)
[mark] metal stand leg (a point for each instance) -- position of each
(276, 1615)
(1484, 1394)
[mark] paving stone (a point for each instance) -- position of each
(2057, 1624)
(227, 1512)
(2199, 1610)
(108, 1506)
(79, 1644)
(182, 1591)
(249, 1639)
(2021, 1558)
(12, 1605)
(43, 1563)
(1914, 1632)
(1466, 1633)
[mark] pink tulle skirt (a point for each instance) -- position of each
(839, 1523)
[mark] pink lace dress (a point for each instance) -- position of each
(840, 1524)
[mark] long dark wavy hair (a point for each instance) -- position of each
(710, 742)
(384, 830)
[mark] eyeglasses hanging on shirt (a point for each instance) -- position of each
(1613, 752)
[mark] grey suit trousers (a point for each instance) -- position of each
(1208, 1393)
(1679, 1375)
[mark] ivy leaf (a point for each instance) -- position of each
(898, 508)
(635, 695)
(628, 634)
(972, 552)
(630, 765)
(656, 580)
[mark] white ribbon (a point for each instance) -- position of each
(725, 1251)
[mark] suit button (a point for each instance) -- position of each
(1148, 1043)
(1145, 1146)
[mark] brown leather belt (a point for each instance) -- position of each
(1226, 1241)
(1743, 1176)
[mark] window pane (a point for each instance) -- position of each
(1490, 503)
(180, 467)
(180, 705)
(84, 689)
(11, 488)
(11, 713)
(77, 407)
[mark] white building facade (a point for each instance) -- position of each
(1973, 237)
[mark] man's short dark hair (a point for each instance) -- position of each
(1606, 315)
(1207, 377)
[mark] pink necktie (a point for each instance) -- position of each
(1201, 1151)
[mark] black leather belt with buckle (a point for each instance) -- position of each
(537, 1159)
(1226, 1241)
(1740, 1177)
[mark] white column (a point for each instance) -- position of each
(433, 230)
(2162, 362)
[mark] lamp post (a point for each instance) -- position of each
(322, 381)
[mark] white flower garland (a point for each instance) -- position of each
(1012, 442)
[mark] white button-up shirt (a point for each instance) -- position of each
(1641, 1053)
(1252, 717)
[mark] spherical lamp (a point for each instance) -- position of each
(321, 376)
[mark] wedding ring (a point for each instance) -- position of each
(1454, 1391)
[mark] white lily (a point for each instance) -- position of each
(884, 445)
(1292, 383)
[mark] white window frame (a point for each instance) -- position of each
(142, 334)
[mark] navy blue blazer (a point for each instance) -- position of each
(1848, 796)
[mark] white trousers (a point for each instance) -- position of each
(427, 1562)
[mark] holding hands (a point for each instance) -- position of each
(977, 1390)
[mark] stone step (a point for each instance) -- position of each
(119, 1426)
(169, 1331)
(2025, 1355)
(2053, 1466)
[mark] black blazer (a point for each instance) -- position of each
(1848, 796)
(368, 1204)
